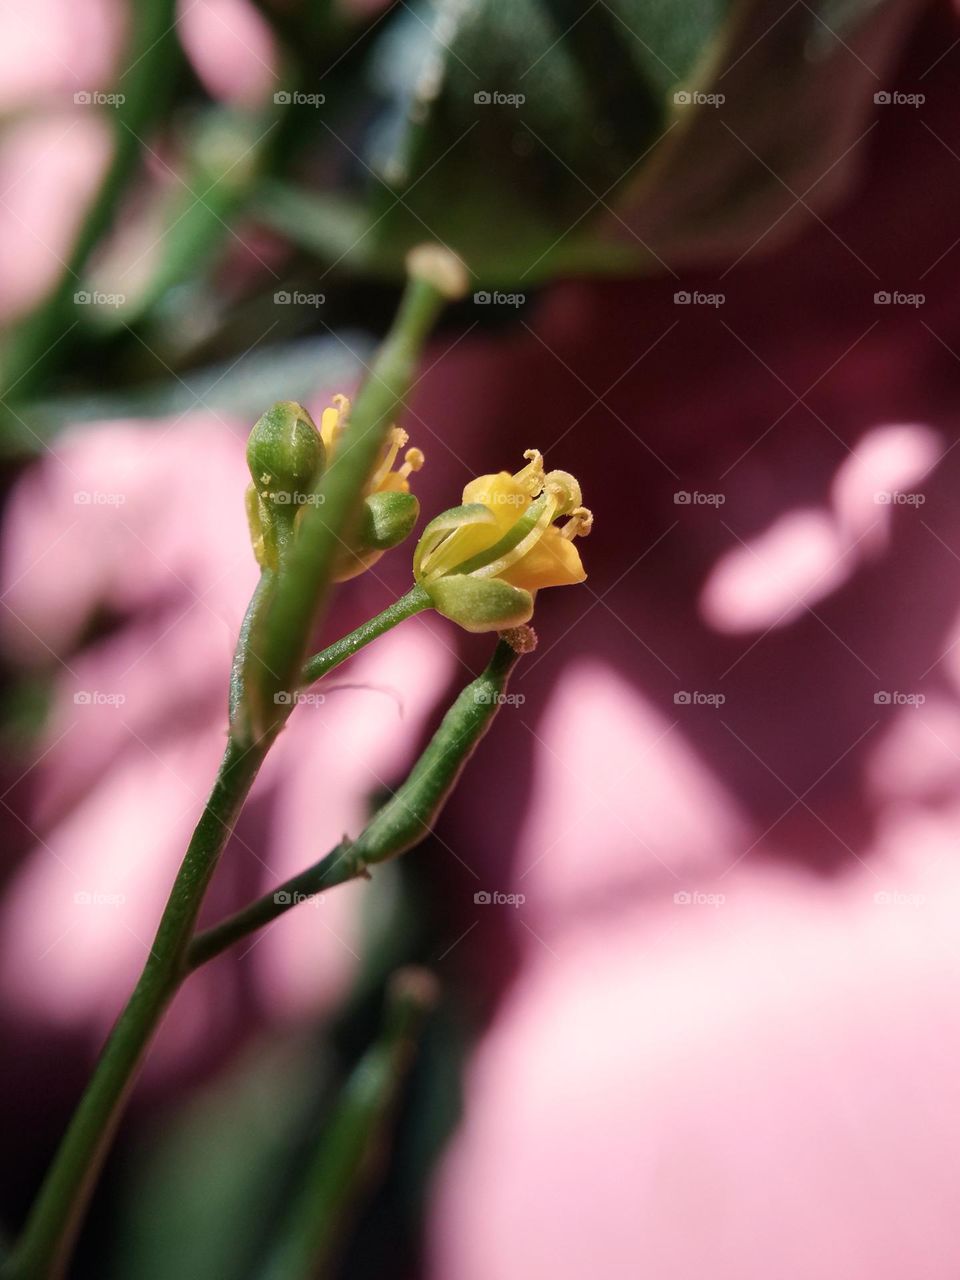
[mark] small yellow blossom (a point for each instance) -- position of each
(482, 563)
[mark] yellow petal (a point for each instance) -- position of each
(504, 499)
(553, 562)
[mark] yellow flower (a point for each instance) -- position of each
(483, 563)
(389, 510)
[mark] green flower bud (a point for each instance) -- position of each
(285, 453)
(286, 456)
(386, 518)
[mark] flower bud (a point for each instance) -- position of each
(285, 453)
(286, 456)
(386, 518)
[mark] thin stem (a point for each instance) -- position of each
(345, 1159)
(52, 1225)
(151, 61)
(43, 1248)
(397, 826)
(415, 601)
(337, 867)
(282, 610)
(325, 528)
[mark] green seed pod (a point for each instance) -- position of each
(414, 807)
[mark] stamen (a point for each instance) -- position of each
(579, 524)
(413, 460)
(569, 486)
(395, 442)
(530, 477)
(544, 519)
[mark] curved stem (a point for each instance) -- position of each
(284, 607)
(345, 1161)
(151, 65)
(398, 825)
(44, 1246)
(336, 868)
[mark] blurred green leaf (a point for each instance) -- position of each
(236, 388)
(601, 165)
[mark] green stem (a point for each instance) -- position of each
(415, 601)
(346, 1157)
(399, 825)
(325, 527)
(150, 61)
(52, 1225)
(282, 611)
(44, 1247)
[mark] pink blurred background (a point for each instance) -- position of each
(720, 1033)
